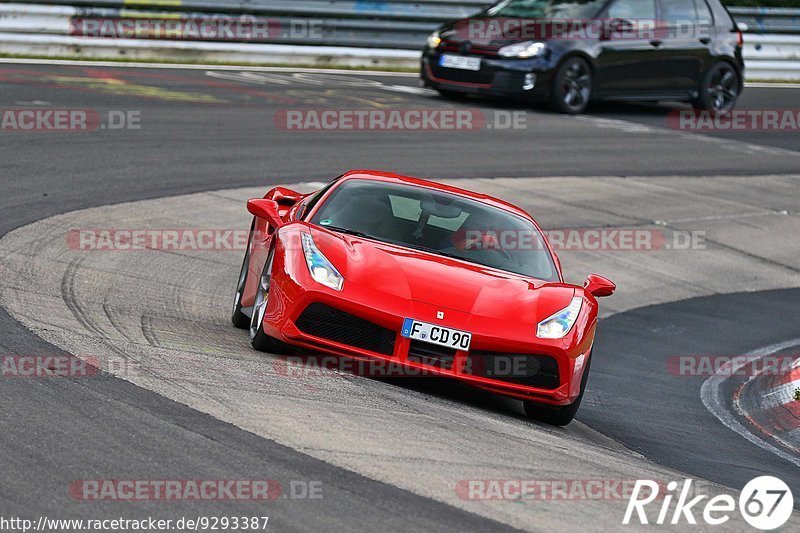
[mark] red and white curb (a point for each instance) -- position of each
(765, 400)
(768, 402)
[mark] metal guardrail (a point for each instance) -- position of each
(759, 20)
(396, 24)
(772, 43)
(421, 10)
(772, 57)
(399, 24)
(772, 20)
(404, 35)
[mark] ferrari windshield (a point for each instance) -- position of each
(440, 223)
(555, 9)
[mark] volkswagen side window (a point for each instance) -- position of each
(704, 16)
(633, 10)
(679, 12)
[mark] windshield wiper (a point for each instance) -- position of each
(454, 256)
(352, 232)
(442, 252)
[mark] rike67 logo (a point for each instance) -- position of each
(765, 503)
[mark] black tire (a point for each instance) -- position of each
(720, 89)
(561, 415)
(260, 340)
(452, 95)
(239, 319)
(572, 87)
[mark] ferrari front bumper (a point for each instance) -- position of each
(365, 324)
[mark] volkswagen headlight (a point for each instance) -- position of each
(322, 271)
(559, 324)
(523, 50)
(434, 40)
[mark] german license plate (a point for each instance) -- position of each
(459, 62)
(435, 334)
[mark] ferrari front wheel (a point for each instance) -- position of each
(558, 415)
(260, 340)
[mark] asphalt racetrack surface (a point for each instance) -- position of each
(216, 130)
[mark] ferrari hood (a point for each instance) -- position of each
(441, 281)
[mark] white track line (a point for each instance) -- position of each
(190, 66)
(711, 394)
(720, 217)
(765, 85)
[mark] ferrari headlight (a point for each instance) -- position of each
(434, 40)
(526, 49)
(558, 325)
(322, 271)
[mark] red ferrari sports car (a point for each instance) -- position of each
(377, 266)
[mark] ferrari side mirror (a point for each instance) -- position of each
(284, 196)
(266, 209)
(599, 286)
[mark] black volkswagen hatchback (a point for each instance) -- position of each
(570, 52)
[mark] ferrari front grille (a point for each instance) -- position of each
(540, 371)
(431, 354)
(329, 323)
